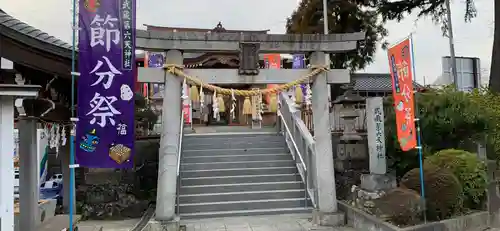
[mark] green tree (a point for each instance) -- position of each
(144, 116)
(448, 119)
(469, 170)
(344, 17)
(436, 9)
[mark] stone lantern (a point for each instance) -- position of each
(351, 155)
(349, 101)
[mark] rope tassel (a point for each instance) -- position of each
(247, 106)
(298, 95)
(194, 94)
(273, 104)
(220, 103)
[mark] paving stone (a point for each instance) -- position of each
(269, 227)
(299, 222)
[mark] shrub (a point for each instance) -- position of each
(470, 171)
(443, 193)
(400, 206)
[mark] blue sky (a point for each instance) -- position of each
(471, 39)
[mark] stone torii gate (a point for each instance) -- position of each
(248, 46)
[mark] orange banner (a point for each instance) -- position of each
(272, 61)
(400, 64)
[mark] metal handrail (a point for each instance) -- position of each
(181, 134)
(305, 151)
(293, 141)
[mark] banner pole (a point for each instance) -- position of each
(419, 138)
(72, 136)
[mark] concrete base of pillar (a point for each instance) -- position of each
(377, 182)
(154, 225)
(328, 219)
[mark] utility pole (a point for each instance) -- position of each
(452, 45)
(325, 17)
(325, 31)
(325, 26)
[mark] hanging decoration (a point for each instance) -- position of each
(55, 134)
(202, 98)
(220, 103)
(52, 141)
(215, 106)
(255, 107)
(273, 103)
(57, 138)
(64, 139)
(256, 110)
(260, 107)
(233, 105)
(194, 94)
(299, 96)
(247, 106)
(291, 94)
(184, 89)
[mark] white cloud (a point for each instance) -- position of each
(472, 39)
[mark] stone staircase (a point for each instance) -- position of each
(239, 174)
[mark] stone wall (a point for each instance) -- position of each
(121, 193)
(364, 221)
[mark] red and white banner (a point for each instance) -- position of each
(401, 68)
(272, 61)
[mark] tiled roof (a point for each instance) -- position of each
(375, 82)
(23, 28)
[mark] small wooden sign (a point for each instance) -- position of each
(249, 58)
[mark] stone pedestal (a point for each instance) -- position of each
(155, 225)
(373, 186)
(328, 219)
(377, 182)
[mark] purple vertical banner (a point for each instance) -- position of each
(106, 60)
(155, 59)
(299, 63)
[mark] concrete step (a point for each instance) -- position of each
(233, 136)
(254, 212)
(203, 140)
(235, 158)
(240, 179)
(259, 186)
(243, 205)
(235, 145)
(232, 151)
(241, 196)
(237, 164)
(239, 172)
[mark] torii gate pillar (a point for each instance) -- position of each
(324, 170)
(8, 92)
(169, 142)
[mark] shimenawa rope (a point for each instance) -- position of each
(178, 71)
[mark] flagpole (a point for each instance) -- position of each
(419, 138)
(72, 135)
(325, 28)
